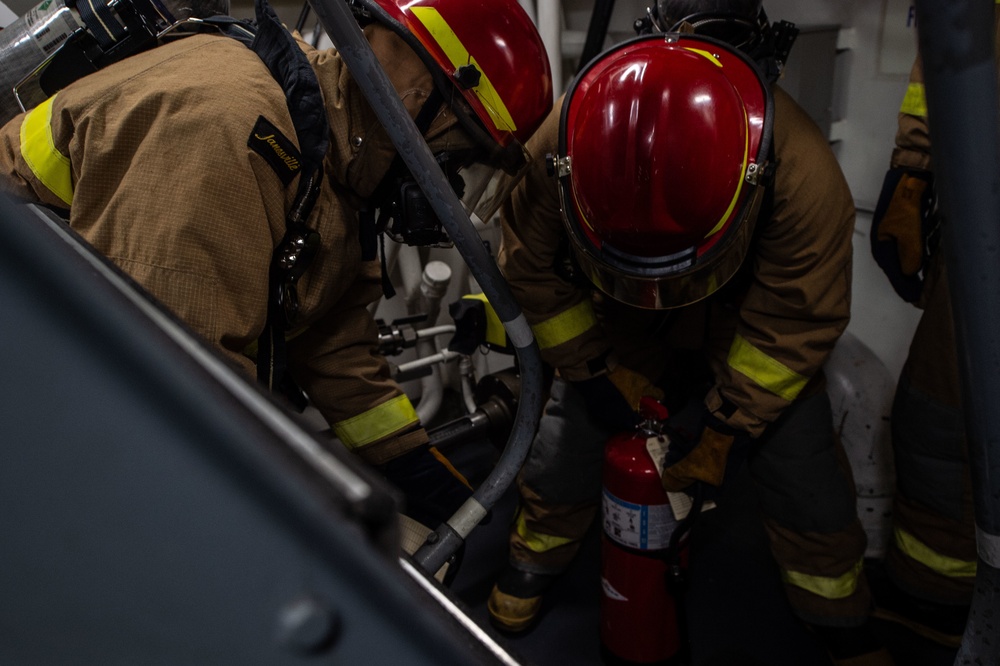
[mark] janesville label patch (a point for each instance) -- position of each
(278, 151)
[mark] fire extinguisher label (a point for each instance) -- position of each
(639, 526)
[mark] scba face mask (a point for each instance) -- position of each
(407, 215)
(489, 67)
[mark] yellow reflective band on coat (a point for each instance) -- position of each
(828, 588)
(766, 372)
(496, 334)
(538, 543)
(376, 423)
(914, 101)
(459, 56)
(942, 564)
(565, 326)
(38, 149)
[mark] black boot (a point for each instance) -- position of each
(516, 599)
(941, 623)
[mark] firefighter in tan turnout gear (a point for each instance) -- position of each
(689, 239)
(189, 166)
(929, 573)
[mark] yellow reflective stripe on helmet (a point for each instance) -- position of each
(537, 542)
(565, 326)
(914, 101)
(942, 564)
(496, 334)
(743, 171)
(376, 423)
(711, 56)
(764, 370)
(39, 150)
(746, 148)
(828, 588)
(459, 57)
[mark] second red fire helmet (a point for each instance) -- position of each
(663, 147)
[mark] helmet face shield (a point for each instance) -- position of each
(487, 186)
(663, 144)
(489, 64)
(670, 281)
(487, 59)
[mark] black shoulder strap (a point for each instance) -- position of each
(289, 66)
(239, 29)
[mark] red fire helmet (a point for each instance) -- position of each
(663, 147)
(489, 50)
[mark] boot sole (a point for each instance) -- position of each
(948, 640)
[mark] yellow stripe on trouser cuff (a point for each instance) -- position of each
(764, 370)
(942, 564)
(376, 423)
(539, 543)
(565, 326)
(39, 150)
(914, 101)
(828, 588)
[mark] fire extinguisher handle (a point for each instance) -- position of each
(672, 554)
(651, 409)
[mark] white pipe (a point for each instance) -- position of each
(435, 331)
(550, 29)
(434, 281)
(529, 7)
(444, 356)
(468, 375)
(410, 271)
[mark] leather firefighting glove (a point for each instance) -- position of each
(613, 398)
(432, 488)
(902, 223)
(702, 448)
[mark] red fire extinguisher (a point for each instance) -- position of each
(639, 549)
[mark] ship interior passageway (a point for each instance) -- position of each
(210, 524)
(737, 614)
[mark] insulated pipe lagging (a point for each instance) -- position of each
(368, 74)
(435, 278)
(549, 23)
(960, 79)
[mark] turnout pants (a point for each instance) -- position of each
(801, 476)
(932, 553)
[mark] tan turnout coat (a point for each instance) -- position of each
(150, 157)
(766, 338)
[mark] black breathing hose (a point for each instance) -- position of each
(342, 28)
